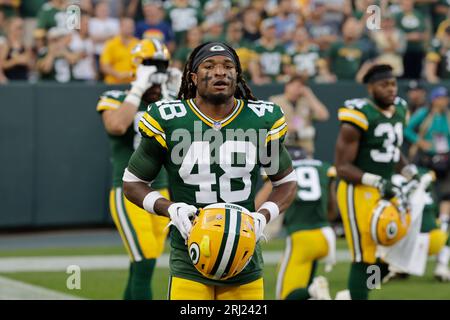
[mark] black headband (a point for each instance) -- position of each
(380, 76)
(210, 50)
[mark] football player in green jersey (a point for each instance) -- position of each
(213, 142)
(367, 155)
(143, 235)
(310, 237)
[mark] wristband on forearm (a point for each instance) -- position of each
(371, 180)
(134, 96)
(272, 207)
(149, 201)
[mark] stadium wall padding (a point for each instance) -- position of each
(54, 152)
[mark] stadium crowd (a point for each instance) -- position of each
(322, 41)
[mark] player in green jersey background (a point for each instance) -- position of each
(143, 235)
(309, 235)
(367, 155)
(212, 142)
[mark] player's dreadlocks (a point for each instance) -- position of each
(188, 89)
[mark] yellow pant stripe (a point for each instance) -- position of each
(126, 227)
(353, 224)
(115, 216)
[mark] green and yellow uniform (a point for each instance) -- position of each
(209, 161)
(304, 220)
(142, 233)
(439, 52)
(412, 22)
(378, 153)
(306, 61)
(271, 60)
(345, 59)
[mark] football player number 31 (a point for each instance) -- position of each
(199, 153)
(394, 138)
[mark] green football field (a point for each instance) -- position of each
(109, 284)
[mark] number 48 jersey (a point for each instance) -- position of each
(210, 161)
(381, 136)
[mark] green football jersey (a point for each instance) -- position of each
(305, 61)
(382, 137)
(122, 147)
(310, 208)
(271, 60)
(209, 161)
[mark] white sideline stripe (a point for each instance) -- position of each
(17, 290)
(108, 262)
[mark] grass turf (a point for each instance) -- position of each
(108, 284)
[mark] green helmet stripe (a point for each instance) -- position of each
(236, 242)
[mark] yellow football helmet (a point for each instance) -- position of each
(388, 225)
(222, 241)
(151, 52)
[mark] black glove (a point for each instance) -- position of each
(387, 189)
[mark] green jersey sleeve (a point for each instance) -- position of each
(147, 159)
(110, 100)
(352, 113)
(152, 125)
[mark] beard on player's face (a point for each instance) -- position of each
(215, 98)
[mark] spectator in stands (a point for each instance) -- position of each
(29, 11)
(346, 56)
(194, 38)
(15, 58)
(391, 44)
(251, 21)
(322, 32)
(429, 131)
(286, 20)
(56, 61)
(115, 61)
(218, 11)
(101, 28)
(52, 14)
(154, 25)
(183, 16)
(10, 7)
(234, 37)
(440, 11)
(416, 95)
(307, 60)
(301, 108)
(271, 62)
(412, 22)
(212, 31)
(437, 64)
(133, 9)
(85, 69)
